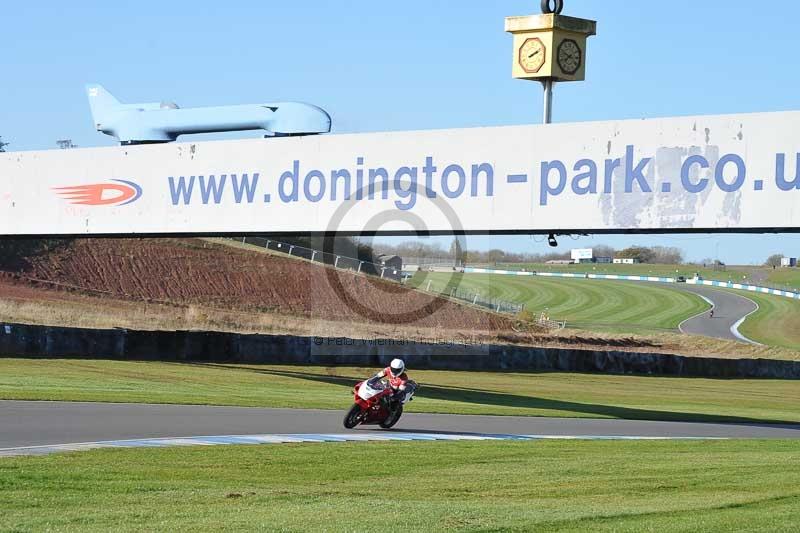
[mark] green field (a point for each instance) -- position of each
(433, 486)
(544, 394)
(788, 277)
(623, 306)
(642, 269)
(590, 304)
(776, 323)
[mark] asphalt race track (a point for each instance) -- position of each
(25, 424)
(729, 310)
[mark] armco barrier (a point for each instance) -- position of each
(751, 288)
(17, 340)
(654, 279)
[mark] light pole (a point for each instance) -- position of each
(547, 114)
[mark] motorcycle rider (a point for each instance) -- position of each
(395, 374)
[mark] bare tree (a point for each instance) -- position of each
(603, 250)
(774, 260)
(642, 253)
(667, 255)
(3, 144)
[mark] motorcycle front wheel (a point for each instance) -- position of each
(392, 419)
(353, 417)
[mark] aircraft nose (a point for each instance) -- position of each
(295, 117)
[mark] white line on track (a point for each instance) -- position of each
(735, 327)
(306, 438)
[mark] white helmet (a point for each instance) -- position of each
(397, 367)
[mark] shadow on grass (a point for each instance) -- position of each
(500, 399)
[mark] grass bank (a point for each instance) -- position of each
(546, 394)
(486, 486)
(775, 323)
(589, 304)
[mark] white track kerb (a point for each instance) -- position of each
(306, 438)
(735, 327)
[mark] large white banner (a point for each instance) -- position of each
(736, 172)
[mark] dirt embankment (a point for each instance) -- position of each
(194, 272)
(194, 284)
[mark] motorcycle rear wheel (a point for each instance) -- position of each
(392, 419)
(353, 417)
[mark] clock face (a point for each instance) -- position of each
(532, 55)
(570, 56)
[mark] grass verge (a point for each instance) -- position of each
(486, 486)
(776, 323)
(544, 394)
(587, 304)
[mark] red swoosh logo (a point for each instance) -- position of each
(123, 192)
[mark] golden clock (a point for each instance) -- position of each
(570, 56)
(532, 55)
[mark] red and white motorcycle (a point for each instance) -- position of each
(376, 403)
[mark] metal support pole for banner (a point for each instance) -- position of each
(313, 255)
(547, 115)
(360, 264)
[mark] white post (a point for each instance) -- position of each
(336, 262)
(383, 269)
(244, 239)
(359, 266)
(548, 101)
(474, 300)
(313, 255)
(428, 288)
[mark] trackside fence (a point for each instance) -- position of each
(326, 258)
(476, 299)
(378, 270)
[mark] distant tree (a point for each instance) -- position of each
(495, 256)
(458, 252)
(3, 144)
(774, 260)
(603, 250)
(667, 255)
(642, 253)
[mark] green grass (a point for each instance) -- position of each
(589, 304)
(788, 277)
(776, 323)
(642, 269)
(546, 394)
(468, 486)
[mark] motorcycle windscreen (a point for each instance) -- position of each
(367, 391)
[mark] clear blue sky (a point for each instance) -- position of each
(415, 64)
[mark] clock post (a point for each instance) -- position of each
(550, 48)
